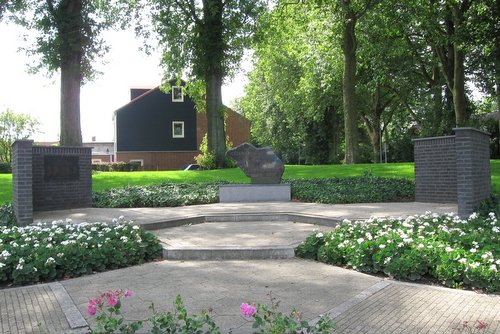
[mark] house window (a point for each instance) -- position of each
(177, 94)
(96, 161)
(177, 129)
(140, 162)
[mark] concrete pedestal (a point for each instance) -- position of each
(254, 193)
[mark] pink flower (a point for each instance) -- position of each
(128, 294)
(91, 309)
(480, 324)
(247, 310)
(112, 301)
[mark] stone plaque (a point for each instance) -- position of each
(61, 168)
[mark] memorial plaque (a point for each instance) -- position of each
(61, 168)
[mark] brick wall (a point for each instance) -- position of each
(159, 160)
(454, 169)
(435, 170)
(55, 191)
(473, 168)
(22, 176)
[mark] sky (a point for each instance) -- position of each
(124, 67)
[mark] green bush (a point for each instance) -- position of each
(457, 252)
(160, 195)
(53, 251)
(206, 159)
(116, 167)
(7, 217)
(363, 189)
(5, 168)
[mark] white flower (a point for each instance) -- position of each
(462, 260)
(493, 268)
(474, 265)
(319, 235)
(473, 250)
(5, 254)
(360, 240)
(381, 246)
(448, 249)
(2, 265)
(387, 260)
(135, 227)
(420, 246)
(124, 238)
(49, 261)
(60, 255)
(34, 269)
(19, 267)
(68, 220)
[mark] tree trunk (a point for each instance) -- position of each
(215, 119)
(497, 62)
(71, 133)
(213, 45)
(458, 89)
(349, 85)
(71, 52)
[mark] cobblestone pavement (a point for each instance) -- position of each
(32, 309)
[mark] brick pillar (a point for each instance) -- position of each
(473, 169)
(22, 181)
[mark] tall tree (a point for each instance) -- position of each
(14, 127)
(68, 39)
(205, 40)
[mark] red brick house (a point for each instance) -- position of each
(164, 131)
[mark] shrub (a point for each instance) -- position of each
(206, 159)
(364, 189)
(47, 252)
(7, 217)
(265, 319)
(116, 167)
(5, 168)
(160, 195)
(457, 252)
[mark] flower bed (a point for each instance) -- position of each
(457, 252)
(60, 250)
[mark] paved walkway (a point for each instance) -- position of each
(358, 303)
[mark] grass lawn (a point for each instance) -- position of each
(108, 180)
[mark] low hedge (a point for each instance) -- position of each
(456, 252)
(333, 191)
(116, 167)
(60, 250)
(5, 168)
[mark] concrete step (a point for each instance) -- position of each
(229, 253)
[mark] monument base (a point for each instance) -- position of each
(254, 193)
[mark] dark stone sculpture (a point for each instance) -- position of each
(260, 164)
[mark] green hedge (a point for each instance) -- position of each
(116, 167)
(334, 191)
(456, 252)
(58, 250)
(5, 168)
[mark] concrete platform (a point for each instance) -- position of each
(234, 240)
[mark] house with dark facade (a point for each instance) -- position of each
(163, 131)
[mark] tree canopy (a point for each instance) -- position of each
(14, 127)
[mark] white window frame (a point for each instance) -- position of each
(96, 161)
(177, 99)
(137, 160)
(174, 135)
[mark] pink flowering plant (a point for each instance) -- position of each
(109, 318)
(472, 327)
(269, 320)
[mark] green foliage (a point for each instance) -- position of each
(161, 195)
(14, 127)
(456, 252)
(116, 167)
(269, 320)
(48, 252)
(7, 217)
(111, 320)
(5, 168)
(364, 189)
(266, 320)
(207, 159)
